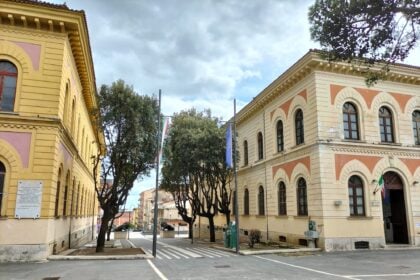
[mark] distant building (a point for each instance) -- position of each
(47, 133)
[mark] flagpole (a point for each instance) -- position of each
(155, 212)
(236, 178)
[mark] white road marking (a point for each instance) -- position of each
(207, 252)
(151, 253)
(190, 254)
(176, 252)
(160, 274)
(308, 269)
(171, 253)
(131, 244)
(165, 255)
(218, 252)
(194, 250)
(385, 275)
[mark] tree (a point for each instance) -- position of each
(366, 31)
(129, 125)
(194, 164)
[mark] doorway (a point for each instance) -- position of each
(393, 207)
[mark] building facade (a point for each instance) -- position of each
(315, 145)
(47, 132)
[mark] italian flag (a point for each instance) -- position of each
(381, 185)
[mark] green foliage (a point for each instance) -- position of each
(195, 168)
(129, 123)
(366, 30)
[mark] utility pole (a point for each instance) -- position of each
(155, 212)
(236, 178)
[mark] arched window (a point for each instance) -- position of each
(246, 202)
(300, 139)
(356, 196)
(73, 191)
(245, 152)
(282, 199)
(66, 106)
(385, 125)
(57, 194)
(416, 127)
(78, 201)
(2, 178)
(280, 142)
(302, 198)
(66, 190)
(8, 78)
(260, 146)
(73, 118)
(350, 121)
(261, 205)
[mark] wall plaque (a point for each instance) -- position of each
(28, 199)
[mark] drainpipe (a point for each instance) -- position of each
(265, 174)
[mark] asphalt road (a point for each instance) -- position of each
(182, 260)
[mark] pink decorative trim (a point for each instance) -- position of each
(288, 167)
(33, 51)
(67, 156)
(21, 141)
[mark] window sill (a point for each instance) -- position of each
(360, 218)
(302, 217)
(390, 144)
(297, 146)
(282, 216)
(354, 141)
(9, 113)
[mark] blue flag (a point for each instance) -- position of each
(229, 161)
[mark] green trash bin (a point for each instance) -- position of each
(226, 238)
(232, 236)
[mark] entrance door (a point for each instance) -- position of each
(393, 206)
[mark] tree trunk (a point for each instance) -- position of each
(227, 214)
(100, 245)
(190, 230)
(108, 234)
(211, 228)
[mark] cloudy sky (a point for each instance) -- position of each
(201, 53)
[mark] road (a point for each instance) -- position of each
(178, 259)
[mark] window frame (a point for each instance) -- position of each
(349, 113)
(352, 190)
(3, 173)
(260, 145)
(246, 159)
(282, 199)
(246, 201)
(4, 74)
(280, 136)
(57, 195)
(299, 127)
(302, 197)
(261, 201)
(416, 126)
(384, 135)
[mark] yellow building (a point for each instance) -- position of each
(313, 147)
(47, 132)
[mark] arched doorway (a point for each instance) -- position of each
(393, 208)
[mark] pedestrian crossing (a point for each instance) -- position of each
(172, 252)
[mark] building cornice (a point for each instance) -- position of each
(312, 61)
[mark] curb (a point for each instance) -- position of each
(121, 257)
(274, 251)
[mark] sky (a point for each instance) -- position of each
(200, 53)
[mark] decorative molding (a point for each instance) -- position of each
(342, 159)
(288, 167)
